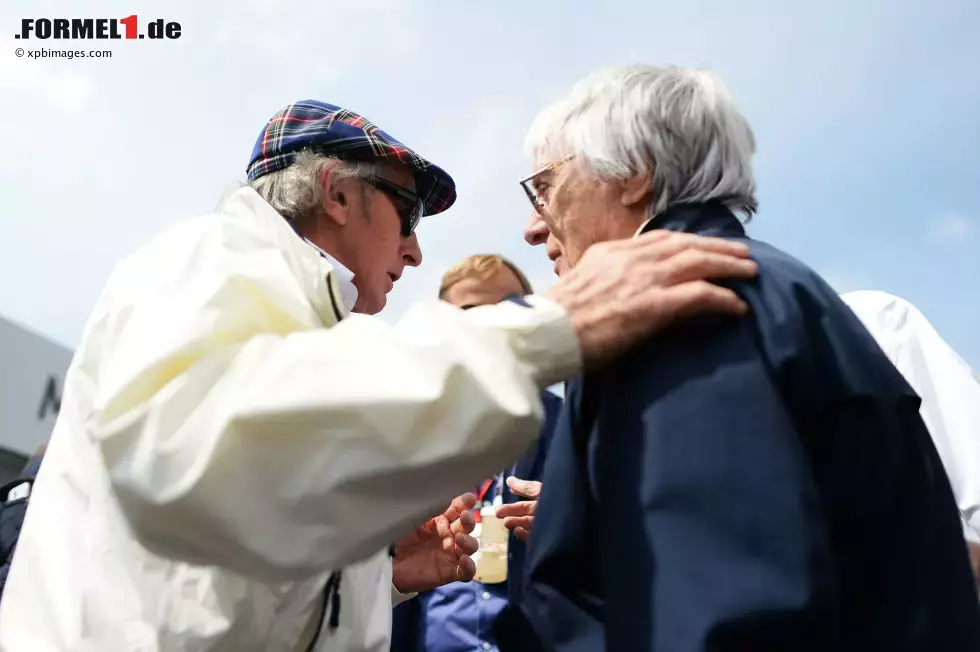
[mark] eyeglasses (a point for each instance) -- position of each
(536, 188)
(407, 204)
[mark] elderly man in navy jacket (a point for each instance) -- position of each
(757, 483)
(459, 617)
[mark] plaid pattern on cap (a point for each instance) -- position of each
(339, 132)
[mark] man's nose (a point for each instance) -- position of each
(536, 231)
(411, 251)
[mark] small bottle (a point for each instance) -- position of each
(491, 565)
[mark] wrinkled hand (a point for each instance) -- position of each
(623, 291)
(438, 551)
(519, 516)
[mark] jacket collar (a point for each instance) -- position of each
(711, 218)
(328, 284)
(345, 277)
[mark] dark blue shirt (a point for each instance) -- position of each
(459, 617)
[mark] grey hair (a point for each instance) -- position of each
(295, 191)
(681, 126)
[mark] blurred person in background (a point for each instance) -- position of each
(484, 280)
(949, 390)
(236, 452)
(14, 498)
(758, 482)
(459, 616)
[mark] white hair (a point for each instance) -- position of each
(679, 125)
(295, 191)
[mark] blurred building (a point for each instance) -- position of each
(32, 375)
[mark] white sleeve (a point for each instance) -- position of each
(950, 399)
(397, 597)
(232, 438)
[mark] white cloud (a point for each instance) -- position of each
(952, 229)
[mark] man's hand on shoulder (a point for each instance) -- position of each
(623, 291)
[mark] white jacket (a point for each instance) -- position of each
(224, 444)
(949, 390)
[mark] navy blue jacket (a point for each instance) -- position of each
(757, 484)
(465, 608)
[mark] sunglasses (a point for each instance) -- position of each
(407, 204)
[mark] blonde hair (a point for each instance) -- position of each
(482, 266)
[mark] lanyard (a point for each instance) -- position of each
(483, 491)
(481, 496)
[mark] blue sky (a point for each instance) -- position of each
(867, 117)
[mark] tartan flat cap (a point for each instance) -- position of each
(336, 131)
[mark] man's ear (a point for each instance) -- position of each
(333, 201)
(636, 189)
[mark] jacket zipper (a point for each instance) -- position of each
(332, 587)
(338, 314)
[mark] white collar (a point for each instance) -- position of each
(642, 226)
(247, 200)
(345, 277)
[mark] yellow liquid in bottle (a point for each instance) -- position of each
(491, 565)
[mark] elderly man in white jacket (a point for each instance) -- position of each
(949, 390)
(235, 452)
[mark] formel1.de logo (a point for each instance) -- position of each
(97, 28)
